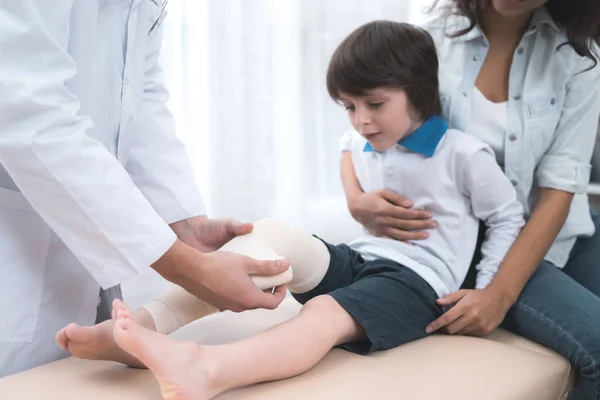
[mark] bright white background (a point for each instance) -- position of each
(247, 81)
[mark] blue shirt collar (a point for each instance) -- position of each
(425, 139)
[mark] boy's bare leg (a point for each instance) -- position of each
(187, 370)
(176, 308)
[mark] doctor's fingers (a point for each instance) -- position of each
(236, 228)
(252, 298)
(267, 267)
(271, 300)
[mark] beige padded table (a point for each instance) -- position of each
(501, 367)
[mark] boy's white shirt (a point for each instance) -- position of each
(460, 185)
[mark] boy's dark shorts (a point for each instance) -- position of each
(390, 301)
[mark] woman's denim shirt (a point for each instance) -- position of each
(553, 113)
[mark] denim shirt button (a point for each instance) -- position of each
(553, 101)
(514, 183)
(512, 137)
(520, 50)
(517, 96)
(475, 58)
(464, 94)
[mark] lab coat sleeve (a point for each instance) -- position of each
(70, 179)
(158, 161)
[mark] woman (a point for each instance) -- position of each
(522, 76)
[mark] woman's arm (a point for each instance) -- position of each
(563, 171)
(532, 244)
(383, 213)
(349, 180)
(479, 312)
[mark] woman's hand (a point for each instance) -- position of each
(475, 312)
(387, 214)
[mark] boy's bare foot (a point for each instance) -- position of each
(178, 366)
(96, 343)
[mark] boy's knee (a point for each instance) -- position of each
(323, 303)
(327, 310)
(277, 235)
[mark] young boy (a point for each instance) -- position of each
(375, 293)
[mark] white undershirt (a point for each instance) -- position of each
(488, 122)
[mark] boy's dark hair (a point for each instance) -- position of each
(388, 54)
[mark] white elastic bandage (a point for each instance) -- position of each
(177, 307)
(307, 254)
(252, 246)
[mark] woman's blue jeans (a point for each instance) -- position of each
(560, 309)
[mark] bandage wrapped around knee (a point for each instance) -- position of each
(308, 255)
(251, 245)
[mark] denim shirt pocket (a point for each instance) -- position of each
(542, 114)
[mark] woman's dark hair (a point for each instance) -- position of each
(579, 19)
(388, 54)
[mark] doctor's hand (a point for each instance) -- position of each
(387, 214)
(206, 235)
(221, 278)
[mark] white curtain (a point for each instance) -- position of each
(247, 79)
(247, 82)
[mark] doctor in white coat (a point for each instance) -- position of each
(94, 184)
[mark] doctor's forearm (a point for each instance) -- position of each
(169, 264)
(533, 243)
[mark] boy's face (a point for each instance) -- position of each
(383, 116)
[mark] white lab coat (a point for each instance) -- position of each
(91, 171)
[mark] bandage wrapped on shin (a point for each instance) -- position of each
(177, 307)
